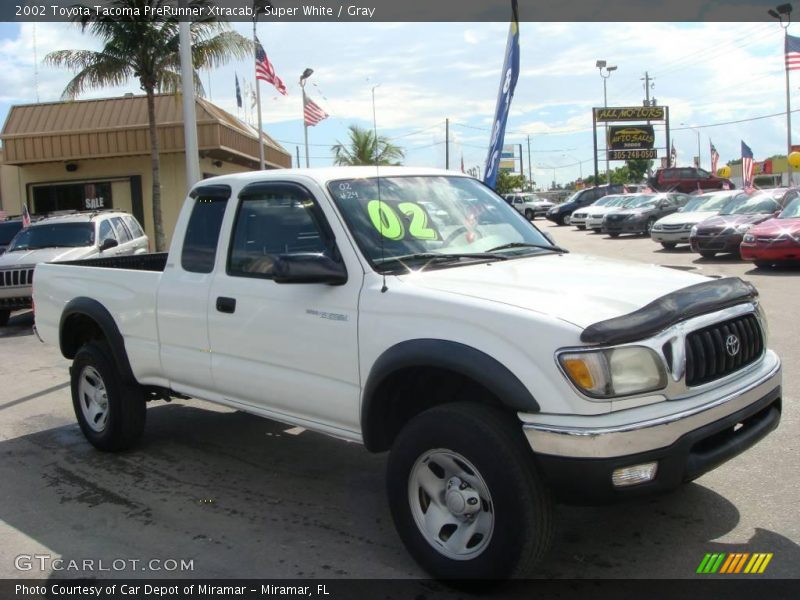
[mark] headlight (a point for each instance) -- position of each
(693, 232)
(688, 227)
(634, 217)
(552, 211)
(657, 227)
(749, 237)
(615, 371)
(743, 227)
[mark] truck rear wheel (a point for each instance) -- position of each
(110, 412)
(465, 495)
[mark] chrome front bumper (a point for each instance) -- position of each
(640, 433)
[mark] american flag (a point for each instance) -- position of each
(265, 71)
(714, 158)
(312, 113)
(673, 156)
(747, 166)
(26, 216)
(792, 53)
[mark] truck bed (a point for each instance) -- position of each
(136, 262)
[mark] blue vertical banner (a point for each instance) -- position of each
(508, 82)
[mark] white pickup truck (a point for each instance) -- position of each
(413, 310)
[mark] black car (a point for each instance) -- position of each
(646, 209)
(8, 229)
(561, 214)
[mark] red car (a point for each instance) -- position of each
(776, 240)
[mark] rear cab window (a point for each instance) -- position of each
(205, 223)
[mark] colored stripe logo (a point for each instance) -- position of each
(734, 563)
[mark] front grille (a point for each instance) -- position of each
(615, 217)
(672, 227)
(16, 277)
(709, 351)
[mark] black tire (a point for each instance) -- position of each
(648, 227)
(707, 253)
(581, 227)
(520, 510)
(125, 408)
(4, 316)
(597, 230)
(762, 264)
(561, 220)
(614, 235)
(529, 214)
(669, 245)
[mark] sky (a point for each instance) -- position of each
(425, 73)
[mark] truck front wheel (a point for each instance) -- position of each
(465, 495)
(110, 412)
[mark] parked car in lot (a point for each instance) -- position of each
(306, 296)
(724, 232)
(580, 216)
(63, 238)
(688, 180)
(562, 213)
(594, 217)
(8, 229)
(775, 240)
(640, 215)
(674, 229)
(529, 204)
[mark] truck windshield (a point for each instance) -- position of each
(56, 235)
(432, 217)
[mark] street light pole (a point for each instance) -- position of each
(699, 156)
(601, 64)
(778, 13)
(306, 74)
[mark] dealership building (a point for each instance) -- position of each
(95, 154)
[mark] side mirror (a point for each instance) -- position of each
(308, 268)
(108, 243)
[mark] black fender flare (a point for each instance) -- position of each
(98, 313)
(452, 356)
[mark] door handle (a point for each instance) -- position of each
(226, 305)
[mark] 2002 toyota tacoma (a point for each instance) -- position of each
(415, 311)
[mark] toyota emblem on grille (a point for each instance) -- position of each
(732, 345)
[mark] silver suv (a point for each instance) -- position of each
(529, 204)
(63, 238)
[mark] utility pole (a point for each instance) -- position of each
(521, 170)
(447, 143)
(189, 114)
(647, 86)
(297, 153)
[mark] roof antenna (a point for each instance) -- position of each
(384, 289)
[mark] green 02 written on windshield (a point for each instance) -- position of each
(433, 221)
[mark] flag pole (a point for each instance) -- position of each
(258, 101)
(788, 106)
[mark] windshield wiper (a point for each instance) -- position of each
(438, 258)
(527, 245)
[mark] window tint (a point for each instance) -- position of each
(133, 226)
(106, 232)
(202, 232)
(273, 219)
(121, 231)
(688, 174)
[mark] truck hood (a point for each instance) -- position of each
(579, 289)
(40, 255)
(686, 218)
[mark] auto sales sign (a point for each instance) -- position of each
(631, 137)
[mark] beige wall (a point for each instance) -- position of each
(14, 183)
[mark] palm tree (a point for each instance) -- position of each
(365, 149)
(147, 50)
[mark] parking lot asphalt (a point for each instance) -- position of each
(241, 496)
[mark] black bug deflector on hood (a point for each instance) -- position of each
(665, 311)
